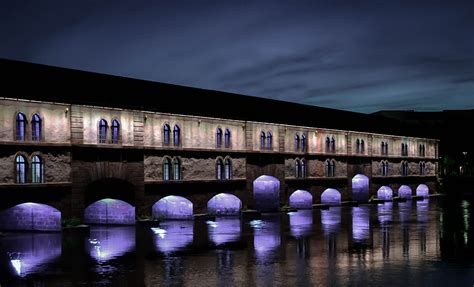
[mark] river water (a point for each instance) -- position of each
(417, 243)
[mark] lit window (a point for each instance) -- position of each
(219, 137)
(166, 134)
(297, 168)
(297, 142)
(269, 140)
(219, 169)
(177, 169)
(166, 169)
(228, 169)
(303, 143)
(36, 128)
(227, 138)
(20, 169)
(20, 127)
(36, 169)
(115, 131)
(102, 131)
(303, 168)
(262, 140)
(176, 135)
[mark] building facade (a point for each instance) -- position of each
(112, 165)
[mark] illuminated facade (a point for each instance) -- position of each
(105, 163)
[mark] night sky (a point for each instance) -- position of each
(355, 55)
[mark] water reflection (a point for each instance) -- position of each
(361, 224)
(404, 211)
(224, 230)
(331, 220)
(108, 242)
(384, 212)
(178, 235)
(422, 218)
(301, 223)
(30, 252)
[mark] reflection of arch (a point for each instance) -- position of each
(225, 230)
(176, 235)
(422, 190)
(301, 223)
(110, 211)
(224, 204)
(331, 196)
(331, 220)
(404, 191)
(31, 216)
(385, 193)
(301, 199)
(266, 193)
(173, 207)
(360, 223)
(360, 188)
(106, 243)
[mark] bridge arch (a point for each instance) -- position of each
(385, 193)
(422, 190)
(360, 188)
(31, 216)
(331, 196)
(266, 193)
(404, 191)
(301, 199)
(224, 204)
(173, 207)
(110, 211)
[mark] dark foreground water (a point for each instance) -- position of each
(411, 244)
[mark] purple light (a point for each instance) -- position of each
(301, 199)
(301, 223)
(173, 207)
(30, 252)
(266, 193)
(404, 209)
(385, 193)
(422, 190)
(224, 204)
(106, 243)
(404, 191)
(360, 223)
(266, 238)
(226, 230)
(178, 235)
(331, 220)
(331, 196)
(384, 211)
(422, 210)
(31, 216)
(110, 211)
(360, 188)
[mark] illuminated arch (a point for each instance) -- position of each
(404, 191)
(360, 188)
(224, 204)
(110, 211)
(266, 193)
(385, 193)
(173, 207)
(422, 190)
(331, 196)
(301, 199)
(31, 216)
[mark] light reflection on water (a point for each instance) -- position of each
(381, 244)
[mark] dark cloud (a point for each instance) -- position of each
(355, 55)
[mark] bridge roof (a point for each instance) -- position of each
(47, 83)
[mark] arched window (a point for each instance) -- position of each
(102, 131)
(421, 150)
(303, 168)
(327, 167)
(20, 127)
(176, 135)
(166, 134)
(297, 142)
(20, 164)
(384, 149)
(262, 140)
(384, 168)
(333, 168)
(36, 128)
(269, 140)
(303, 143)
(176, 169)
(166, 169)
(422, 168)
(333, 144)
(115, 131)
(404, 149)
(219, 137)
(404, 168)
(228, 169)
(357, 146)
(328, 144)
(219, 166)
(362, 146)
(297, 168)
(36, 169)
(227, 138)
